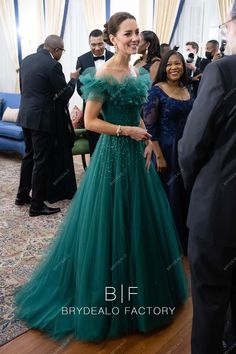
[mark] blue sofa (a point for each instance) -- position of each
(11, 136)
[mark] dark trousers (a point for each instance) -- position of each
(93, 139)
(213, 281)
(35, 166)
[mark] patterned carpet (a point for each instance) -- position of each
(23, 240)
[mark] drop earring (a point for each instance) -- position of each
(115, 46)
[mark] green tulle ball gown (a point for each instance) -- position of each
(115, 264)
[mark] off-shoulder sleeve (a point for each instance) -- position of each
(93, 88)
(150, 113)
(131, 90)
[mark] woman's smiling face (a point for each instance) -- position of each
(174, 68)
(127, 37)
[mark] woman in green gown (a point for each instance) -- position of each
(115, 266)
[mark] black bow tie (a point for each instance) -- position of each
(99, 58)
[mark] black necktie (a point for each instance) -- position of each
(99, 58)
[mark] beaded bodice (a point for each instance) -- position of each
(122, 100)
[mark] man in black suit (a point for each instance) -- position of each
(94, 58)
(42, 82)
(207, 156)
(193, 67)
(212, 53)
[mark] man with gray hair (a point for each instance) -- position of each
(42, 82)
(207, 156)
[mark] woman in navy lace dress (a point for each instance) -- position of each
(165, 114)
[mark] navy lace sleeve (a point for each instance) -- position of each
(150, 113)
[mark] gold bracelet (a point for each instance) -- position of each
(118, 131)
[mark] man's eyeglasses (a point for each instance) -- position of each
(223, 27)
(57, 48)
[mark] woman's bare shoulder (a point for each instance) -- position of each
(104, 71)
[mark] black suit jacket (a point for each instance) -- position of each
(193, 85)
(86, 61)
(204, 62)
(207, 155)
(41, 81)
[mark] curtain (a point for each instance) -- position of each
(145, 14)
(195, 24)
(76, 44)
(31, 17)
(224, 6)
(181, 5)
(54, 11)
(94, 14)
(165, 13)
(108, 9)
(128, 6)
(8, 25)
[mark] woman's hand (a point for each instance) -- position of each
(160, 160)
(138, 133)
(148, 154)
(161, 163)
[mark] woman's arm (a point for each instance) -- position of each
(161, 162)
(155, 147)
(148, 148)
(153, 69)
(93, 123)
(150, 113)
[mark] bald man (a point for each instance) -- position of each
(42, 82)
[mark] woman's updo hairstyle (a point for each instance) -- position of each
(113, 24)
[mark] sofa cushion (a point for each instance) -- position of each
(9, 100)
(10, 114)
(76, 116)
(11, 130)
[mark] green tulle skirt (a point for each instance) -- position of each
(115, 264)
